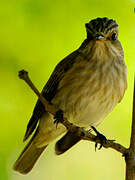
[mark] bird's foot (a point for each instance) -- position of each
(59, 117)
(100, 138)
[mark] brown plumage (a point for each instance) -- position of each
(86, 85)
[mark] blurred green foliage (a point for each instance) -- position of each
(35, 35)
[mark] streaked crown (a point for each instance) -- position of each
(100, 25)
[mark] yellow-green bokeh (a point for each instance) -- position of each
(35, 35)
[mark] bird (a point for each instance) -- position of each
(86, 86)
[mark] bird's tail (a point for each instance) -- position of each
(66, 142)
(28, 157)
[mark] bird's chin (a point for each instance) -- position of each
(100, 43)
(100, 40)
(100, 49)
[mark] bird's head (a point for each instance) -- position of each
(102, 35)
(102, 29)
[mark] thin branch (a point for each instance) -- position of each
(130, 157)
(79, 131)
(132, 141)
(24, 75)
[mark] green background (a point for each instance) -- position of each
(35, 35)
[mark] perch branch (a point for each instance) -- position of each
(79, 131)
(130, 156)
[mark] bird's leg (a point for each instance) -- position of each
(58, 117)
(100, 137)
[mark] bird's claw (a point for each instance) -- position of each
(59, 117)
(100, 138)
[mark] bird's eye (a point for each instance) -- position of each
(114, 36)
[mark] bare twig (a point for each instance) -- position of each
(24, 75)
(85, 135)
(130, 157)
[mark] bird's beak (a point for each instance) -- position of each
(99, 36)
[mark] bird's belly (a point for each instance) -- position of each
(88, 110)
(87, 96)
(91, 111)
(85, 105)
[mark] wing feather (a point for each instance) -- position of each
(50, 90)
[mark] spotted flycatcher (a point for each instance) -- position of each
(86, 86)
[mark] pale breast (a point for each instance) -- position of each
(89, 91)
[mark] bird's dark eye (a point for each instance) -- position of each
(114, 36)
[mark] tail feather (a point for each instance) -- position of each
(66, 142)
(28, 157)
